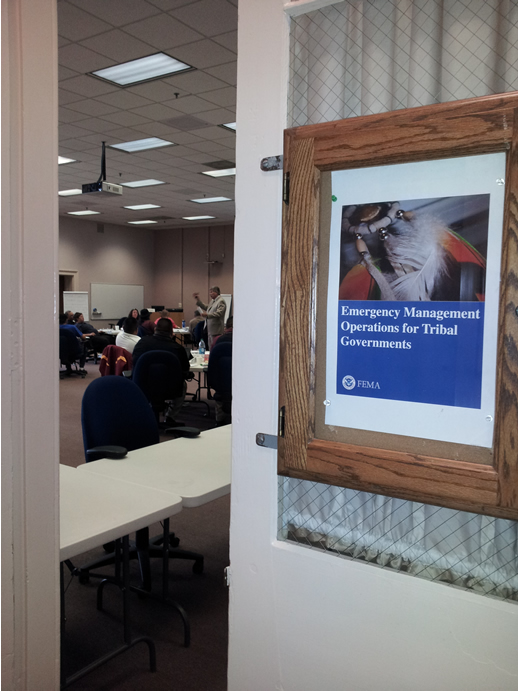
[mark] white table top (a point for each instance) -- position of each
(96, 509)
(196, 469)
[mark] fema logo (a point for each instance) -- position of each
(348, 382)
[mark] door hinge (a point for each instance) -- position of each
(228, 575)
(269, 441)
(286, 189)
(271, 163)
(282, 420)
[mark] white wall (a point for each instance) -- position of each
(302, 620)
(30, 449)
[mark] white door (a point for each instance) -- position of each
(301, 620)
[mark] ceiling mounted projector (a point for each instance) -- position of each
(101, 186)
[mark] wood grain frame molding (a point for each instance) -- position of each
(462, 128)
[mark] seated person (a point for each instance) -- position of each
(196, 320)
(128, 338)
(69, 317)
(164, 314)
(163, 339)
(97, 342)
(84, 327)
(146, 327)
(226, 336)
(132, 313)
(80, 337)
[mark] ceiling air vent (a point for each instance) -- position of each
(220, 165)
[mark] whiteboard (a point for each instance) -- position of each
(76, 301)
(112, 301)
(228, 301)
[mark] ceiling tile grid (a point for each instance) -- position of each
(186, 108)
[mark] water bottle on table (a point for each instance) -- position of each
(201, 347)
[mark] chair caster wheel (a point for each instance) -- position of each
(84, 578)
(174, 541)
(197, 567)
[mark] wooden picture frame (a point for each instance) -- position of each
(459, 481)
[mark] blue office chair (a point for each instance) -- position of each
(115, 417)
(159, 375)
(219, 376)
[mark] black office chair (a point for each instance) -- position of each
(159, 375)
(70, 354)
(114, 414)
(219, 376)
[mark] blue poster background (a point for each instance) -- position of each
(389, 350)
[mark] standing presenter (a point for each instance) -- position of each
(214, 312)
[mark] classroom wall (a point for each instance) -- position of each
(117, 255)
(182, 265)
(170, 264)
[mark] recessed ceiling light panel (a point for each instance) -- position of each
(210, 200)
(229, 126)
(63, 159)
(197, 218)
(142, 207)
(142, 70)
(219, 173)
(85, 212)
(142, 144)
(140, 223)
(142, 183)
(69, 193)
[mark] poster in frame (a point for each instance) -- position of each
(407, 467)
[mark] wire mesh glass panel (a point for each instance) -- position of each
(455, 547)
(362, 57)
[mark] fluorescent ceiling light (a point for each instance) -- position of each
(142, 183)
(141, 207)
(143, 69)
(229, 126)
(196, 218)
(219, 173)
(62, 160)
(69, 193)
(86, 212)
(209, 200)
(137, 223)
(142, 144)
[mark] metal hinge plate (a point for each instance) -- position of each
(271, 163)
(228, 575)
(269, 441)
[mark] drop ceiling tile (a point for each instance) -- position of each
(67, 115)
(119, 12)
(211, 17)
(195, 82)
(222, 97)
(126, 118)
(65, 97)
(169, 4)
(227, 72)
(77, 145)
(119, 46)
(157, 129)
(81, 59)
(203, 54)
(220, 116)
(88, 86)
(62, 41)
(69, 131)
(124, 99)
(65, 73)
(190, 104)
(184, 138)
(213, 133)
(196, 158)
(92, 107)
(75, 24)
(163, 32)
(227, 40)
(157, 91)
(156, 112)
(97, 125)
(206, 146)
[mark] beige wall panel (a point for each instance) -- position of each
(119, 255)
(221, 249)
(195, 267)
(168, 268)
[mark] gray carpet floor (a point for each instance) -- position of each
(90, 633)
